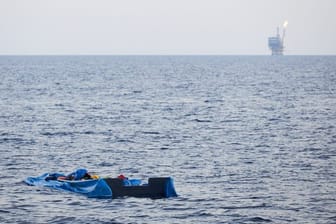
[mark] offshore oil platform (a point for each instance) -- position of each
(276, 44)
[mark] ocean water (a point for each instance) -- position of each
(247, 139)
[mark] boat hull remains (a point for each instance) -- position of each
(159, 187)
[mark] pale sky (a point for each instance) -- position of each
(228, 27)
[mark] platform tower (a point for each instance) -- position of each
(276, 44)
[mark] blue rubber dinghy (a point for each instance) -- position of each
(161, 187)
(93, 188)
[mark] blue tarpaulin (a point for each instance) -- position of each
(95, 188)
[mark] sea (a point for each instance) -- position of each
(247, 139)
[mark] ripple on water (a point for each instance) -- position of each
(246, 139)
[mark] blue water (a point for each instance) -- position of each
(246, 139)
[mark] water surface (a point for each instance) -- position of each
(247, 139)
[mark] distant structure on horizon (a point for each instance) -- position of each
(276, 44)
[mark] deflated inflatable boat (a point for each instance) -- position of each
(161, 187)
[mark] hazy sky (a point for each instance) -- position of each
(165, 26)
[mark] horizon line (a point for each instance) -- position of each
(1, 55)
